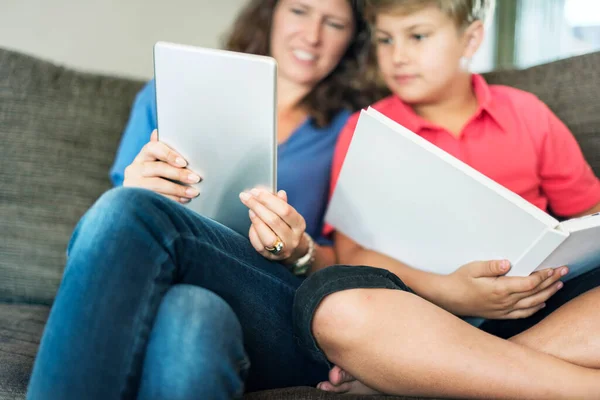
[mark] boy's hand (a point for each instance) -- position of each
(479, 289)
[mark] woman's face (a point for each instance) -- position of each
(309, 38)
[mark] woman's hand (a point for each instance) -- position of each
(160, 169)
(480, 289)
(273, 220)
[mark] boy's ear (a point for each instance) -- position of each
(473, 37)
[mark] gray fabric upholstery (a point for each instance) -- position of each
(21, 327)
(59, 130)
(306, 393)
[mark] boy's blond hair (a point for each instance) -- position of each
(463, 12)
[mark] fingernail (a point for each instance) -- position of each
(244, 196)
(251, 213)
(564, 271)
(180, 161)
(192, 192)
(184, 200)
(255, 192)
(504, 264)
(560, 285)
(543, 305)
(550, 273)
(193, 178)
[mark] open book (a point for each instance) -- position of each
(402, 196)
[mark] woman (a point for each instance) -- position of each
(156, 300)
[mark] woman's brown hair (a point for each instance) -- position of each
(348, 86)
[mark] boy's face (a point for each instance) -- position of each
(419, 54)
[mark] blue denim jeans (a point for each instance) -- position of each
(129, 250)
(195, 350)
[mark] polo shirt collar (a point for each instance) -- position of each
(414, 122)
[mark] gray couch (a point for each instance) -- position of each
(59, 131)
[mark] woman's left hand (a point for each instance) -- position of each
(273, 220)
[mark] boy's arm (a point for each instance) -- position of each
(593, 210)
(425, 284)
(477, 289)
(565, 176)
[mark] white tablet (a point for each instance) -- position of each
(218, 110)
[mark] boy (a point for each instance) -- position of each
(410, 340)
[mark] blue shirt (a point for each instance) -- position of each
(303, 165)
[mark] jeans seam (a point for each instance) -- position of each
(144, 327)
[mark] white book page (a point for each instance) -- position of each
(398, 197)
(576, 224)
(547, 219)
(580, 252)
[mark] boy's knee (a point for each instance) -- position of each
(332, 307)
(340, 320)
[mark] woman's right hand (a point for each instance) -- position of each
(162, 170)
(480, 289)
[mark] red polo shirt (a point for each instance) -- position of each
(513, 138)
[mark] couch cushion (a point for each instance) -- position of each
(570, 88)
(306, 393)
(59, 130)
(21, 327)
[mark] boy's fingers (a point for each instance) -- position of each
(531, 283)
(523, 313)
(538, 298)
(553, 276)
(490, 268)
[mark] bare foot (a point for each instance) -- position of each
(342, 382)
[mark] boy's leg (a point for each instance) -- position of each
(568, 328)
(398, 343)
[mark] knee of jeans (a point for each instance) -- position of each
(339, 320)
(125, 199)
(116, 206)
(200, 308)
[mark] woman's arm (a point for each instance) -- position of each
(141, 123)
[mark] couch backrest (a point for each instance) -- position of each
(59, 130)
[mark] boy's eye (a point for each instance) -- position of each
(384, 40)
(418, 37)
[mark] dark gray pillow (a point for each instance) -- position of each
(59, 130)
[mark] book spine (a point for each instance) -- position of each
(539, 250)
